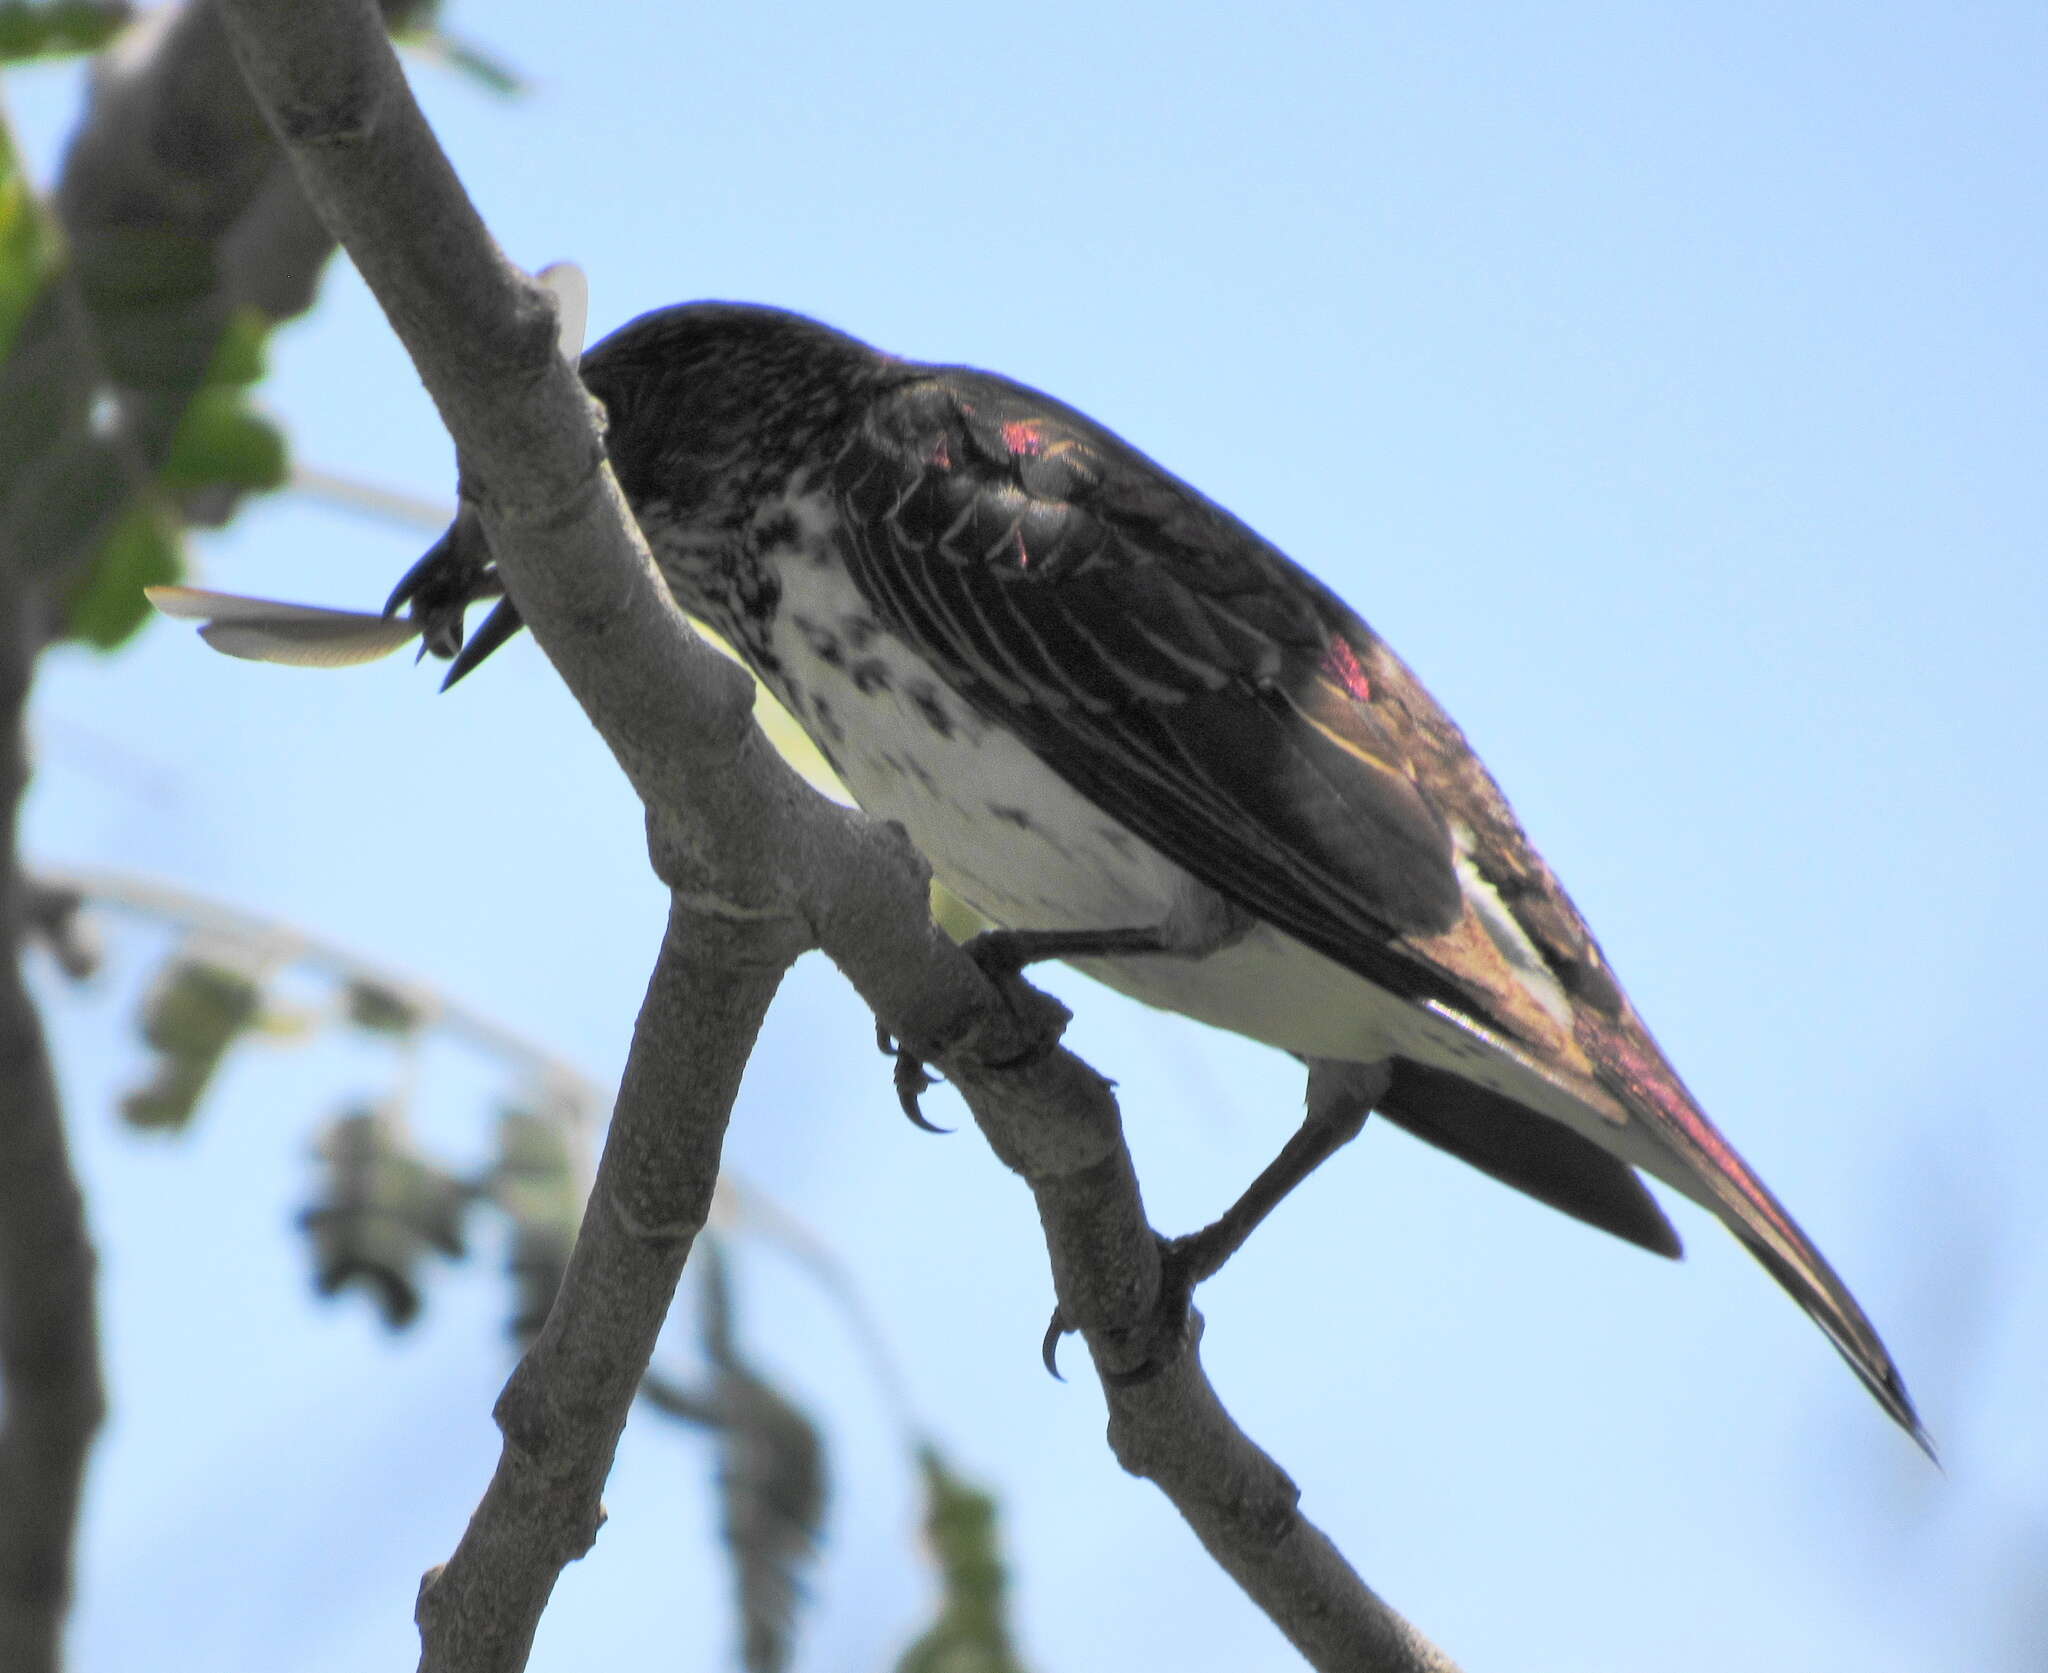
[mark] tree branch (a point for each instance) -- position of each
(754, 859)
(50, 1389)
(563, 1410)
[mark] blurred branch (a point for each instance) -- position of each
(50, 1388)
(759, 868)
(176, 210)
(272, 942)
(367, 499)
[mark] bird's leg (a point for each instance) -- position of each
(1005, 952)
(1340, 1097)
(1199, 923)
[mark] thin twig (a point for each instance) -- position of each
(368, 499)
(275, 943)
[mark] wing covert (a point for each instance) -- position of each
(1168, 663)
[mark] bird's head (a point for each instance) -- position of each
(708, 406)
(705, 401)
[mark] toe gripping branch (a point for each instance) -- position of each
(1003, 955)
(913, 1078)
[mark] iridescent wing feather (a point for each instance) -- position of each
(1215, 699)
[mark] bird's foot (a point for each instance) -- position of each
(1001, 955)
(1169, 1331)
(913, 1078)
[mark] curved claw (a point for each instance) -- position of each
(455, 571)
(500, 625)
(1173, 1319)
(913, 1080)
(1049, 1349)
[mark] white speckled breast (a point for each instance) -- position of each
(1011, 838)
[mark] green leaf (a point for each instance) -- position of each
(243, 354)
(972, 1633)
(41, 28)
(381, 1208)
(377, 1009)
(106, 605)
(30, 248)
(195, 1010)
(221, 442)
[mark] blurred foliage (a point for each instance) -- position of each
(382, 1208)
(537, 1182)
(106, 605)
(46, 28)
(220, 441)
(144, 293)
(771, 1475)
(28, 243)
(197, 1007)
(378, 1009)
(222, 448)
(971, 1634)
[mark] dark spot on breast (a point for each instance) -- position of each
(1011, 815)
(860, 631)
(870, 675)
(780, 529)
(908, 766)
(1118, 839)
(824, 643)
(827, 723)
(759, 593)
(931, 707)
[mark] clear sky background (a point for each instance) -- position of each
(1667, 383)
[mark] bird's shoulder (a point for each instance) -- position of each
(1063, 515)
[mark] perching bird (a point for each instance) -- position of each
(1115, 719)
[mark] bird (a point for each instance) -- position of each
(1133, 734)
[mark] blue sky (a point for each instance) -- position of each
(1666, 384)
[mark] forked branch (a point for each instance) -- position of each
(760, 867)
